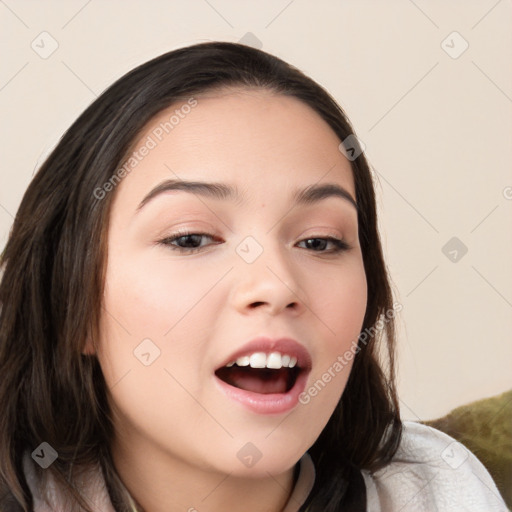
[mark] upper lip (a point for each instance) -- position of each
(283, 345)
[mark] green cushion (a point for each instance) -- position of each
(485, 428)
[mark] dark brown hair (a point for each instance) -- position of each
(52, 284)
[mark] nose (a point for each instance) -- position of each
(270, 283)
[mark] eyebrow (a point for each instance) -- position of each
(222, 191)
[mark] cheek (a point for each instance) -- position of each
(339, 301)
(343, 303)
(153, 314)
(152, 297)
(151, 301)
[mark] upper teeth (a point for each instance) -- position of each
(274, 360)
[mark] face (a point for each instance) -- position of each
(196, 281)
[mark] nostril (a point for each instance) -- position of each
(292, 305)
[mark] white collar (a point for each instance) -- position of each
(97, 493)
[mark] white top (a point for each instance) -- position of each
(431, 472)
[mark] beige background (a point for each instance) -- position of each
(437, 130)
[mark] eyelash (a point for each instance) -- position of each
(339, 245)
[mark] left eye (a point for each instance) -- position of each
(339, 245)
(191, 242)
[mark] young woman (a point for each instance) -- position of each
(195, 310)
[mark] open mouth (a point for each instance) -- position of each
(261, 373)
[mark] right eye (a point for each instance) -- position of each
(185, 241)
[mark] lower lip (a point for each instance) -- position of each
(272, 403)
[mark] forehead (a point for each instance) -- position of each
(259, 139)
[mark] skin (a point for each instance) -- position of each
(177, 434)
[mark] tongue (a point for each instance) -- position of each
(264, 381)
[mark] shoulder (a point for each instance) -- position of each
(431, 471)
(49, 496)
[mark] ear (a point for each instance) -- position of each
(89, 349)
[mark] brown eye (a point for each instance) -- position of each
(318, 244)
(185, 241)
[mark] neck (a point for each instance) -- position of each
(161, 483)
